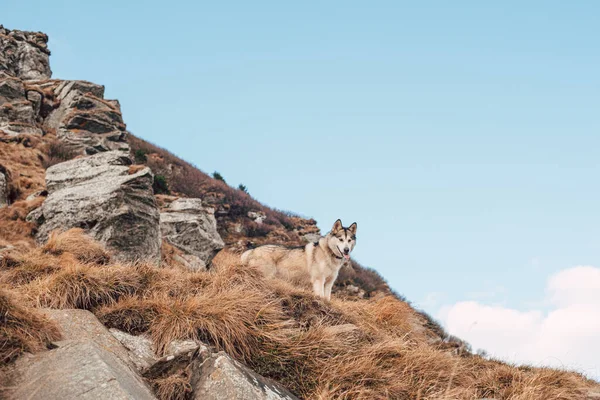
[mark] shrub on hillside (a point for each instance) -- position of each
(160, 185)
(188, 180)
(139, 156)
(218, 176)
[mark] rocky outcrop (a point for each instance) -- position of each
(98, 193)
(221, 377)
(87, 364)
(192, 228)
(24, 55)
(32, 103)
(86, 122)
(17, 114)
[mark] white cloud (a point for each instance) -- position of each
(566, 336)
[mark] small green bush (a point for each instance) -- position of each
(243, 188)
(218, 176)
(140, 156)
(160, 185)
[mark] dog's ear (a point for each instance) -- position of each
(352, 228)
(337, 226)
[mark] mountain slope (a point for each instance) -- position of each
(366, 343)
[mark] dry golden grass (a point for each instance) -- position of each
(21, 267)
(22, 328)
(77, 243)
(13, 224)
(133, 169)
(343, 349)
(23, 157)
(173, 387)
(83, 286)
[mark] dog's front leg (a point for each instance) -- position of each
(319, 287)
(328, 286)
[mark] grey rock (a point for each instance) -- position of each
(17, 113)
(88, 363)
(24, 55)
(82, 325)
(257, 216)
(140, 348)
(86, 122)
(192, 228)
(37, 194)
(76, 370)
(36, 100)
(3, 190)
(221, 377)
(178, 354)
(66, 87)
(74, 172)
(98, 194)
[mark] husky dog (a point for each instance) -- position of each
(316, 263)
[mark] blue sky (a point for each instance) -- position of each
(462, 136)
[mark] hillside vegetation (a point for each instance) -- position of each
(349, 349)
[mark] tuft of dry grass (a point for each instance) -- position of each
(77, 243)
(173, 387)
(83, 286)
(22, 328)
(133, 315)
(19, 268)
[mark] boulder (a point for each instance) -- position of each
(75, 370)
(24, 55)
(191, 228)
(97, 193)
(89, 363)
(221, 377)
(257, 216)
(86, 122)
(3, 189)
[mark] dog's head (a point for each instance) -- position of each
(341, 240)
